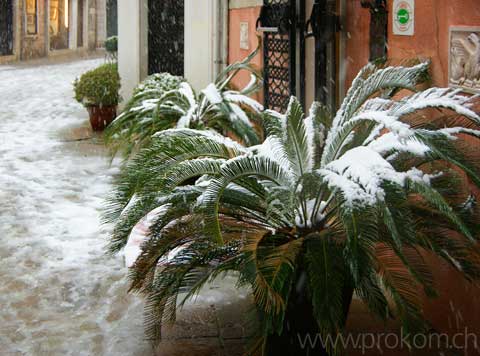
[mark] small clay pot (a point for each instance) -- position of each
(101, 116)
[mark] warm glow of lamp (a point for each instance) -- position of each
(65, 11)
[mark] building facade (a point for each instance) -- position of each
(32, 29)
(313, 49)
(183, 37)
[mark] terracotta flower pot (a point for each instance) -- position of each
(101, 116)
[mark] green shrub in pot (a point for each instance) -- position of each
(111, 47)
(98, 91)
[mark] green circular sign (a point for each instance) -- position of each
(403, 16)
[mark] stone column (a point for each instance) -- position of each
(132, 44)
(92, 25)
(199, 41)
(101, 22)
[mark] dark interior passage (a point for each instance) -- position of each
(6, 27)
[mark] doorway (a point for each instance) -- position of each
(59, 26)
(80, 22)
(166, 36)
(112, 18)
(6, 27)
(300, 51)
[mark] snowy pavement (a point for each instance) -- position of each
(59, 293)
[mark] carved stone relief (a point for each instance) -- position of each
(464, 59)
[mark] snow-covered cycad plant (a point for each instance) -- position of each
(164, 101)
(218, 106)
(134, 127)
(325, 209)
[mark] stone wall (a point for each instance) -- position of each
(101, 9)
(34, 46)
(28, 47)
(92, 24)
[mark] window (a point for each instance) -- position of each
(31, 13)
(59, 26)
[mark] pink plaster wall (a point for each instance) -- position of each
(456, 307)
(235, 53)
(433, 20)
(357, 47)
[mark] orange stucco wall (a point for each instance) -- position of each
(249, 15)
(433, 20)
(456, 307)
(357, 47)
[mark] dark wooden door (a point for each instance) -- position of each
(6, 27)
(285, 35)
(322, 28)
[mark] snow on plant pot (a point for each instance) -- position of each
(97, 90)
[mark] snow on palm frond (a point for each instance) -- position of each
(218, 106)
(346, 202)
(163, 101)
(389, 113)
(133, 126)
(360, 173)
(212, 107)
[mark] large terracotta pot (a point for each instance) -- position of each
(101, 116)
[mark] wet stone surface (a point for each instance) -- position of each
(59, 293)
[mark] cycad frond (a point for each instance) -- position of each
(135, 125)
(323, 208)
(164, 101)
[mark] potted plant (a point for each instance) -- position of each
(327, 207)
(97, 90)
(111, 47)
(164, 101)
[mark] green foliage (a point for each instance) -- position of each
(134, 127)
(350, 202)
(98, 87)
(164, 101)
(111, 45)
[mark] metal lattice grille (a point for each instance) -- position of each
(279, 49)
(166, 36)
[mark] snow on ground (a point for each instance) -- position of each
(59, 293)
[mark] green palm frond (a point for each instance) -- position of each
(325, 207)
(135, 125)
(164, 101)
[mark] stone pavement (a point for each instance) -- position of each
(217, 324)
